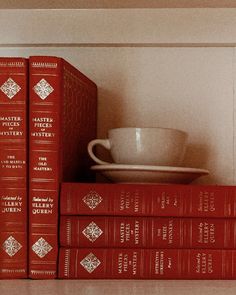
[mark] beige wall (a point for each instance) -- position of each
(189, 85)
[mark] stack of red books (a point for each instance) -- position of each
(48, 114)
(138, 231)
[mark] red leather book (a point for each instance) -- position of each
(147, 232)
(148, 200)
(13, 171)
(63, 107)
(124, 263)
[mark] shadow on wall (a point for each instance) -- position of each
(111, 114)
(197, 156)
(111, 110)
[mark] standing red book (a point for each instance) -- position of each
(63, 107)
(148, 200)
(147, 232)
(146, 263)
(13, 171)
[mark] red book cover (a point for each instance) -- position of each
(147, 232)
(103, 263)
(62, 116)
(148, 200)
(13, 167)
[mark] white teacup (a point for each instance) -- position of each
(143, 146)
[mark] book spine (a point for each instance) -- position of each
(146, 264)
(44, 164)
(148, 200)
(146, 232)
(13, 167)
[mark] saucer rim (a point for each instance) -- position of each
(168, 169)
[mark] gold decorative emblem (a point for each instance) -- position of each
(92, 199)
(10, 88)
(43, 89)
(41, 247)
(92, 232)
(11, 246)
(90, 262)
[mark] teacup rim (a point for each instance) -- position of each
(152, 127)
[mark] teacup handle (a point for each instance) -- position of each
(103, 142)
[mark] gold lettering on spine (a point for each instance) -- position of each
(43, 126)
(136, 232)
(127, 232)
(42, 165)
(42, 205)
(134, 263)
(206, 233)
(157, 259)
(127, 262)
(165, 200)
(130, 201)
(120, 263)
(204, 263)
(166, 232)
(11, 204)
(11, 133)
(206, 201)
(159, 262)
(8, 123)
(12, 163)
(122, 232)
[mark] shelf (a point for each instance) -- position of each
(118, 4)
(115, 287)
(118, 27)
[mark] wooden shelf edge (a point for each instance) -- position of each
(118, 27)
(93, 4)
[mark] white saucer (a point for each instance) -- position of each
(149, 174)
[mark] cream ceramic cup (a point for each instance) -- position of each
(143, 146)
